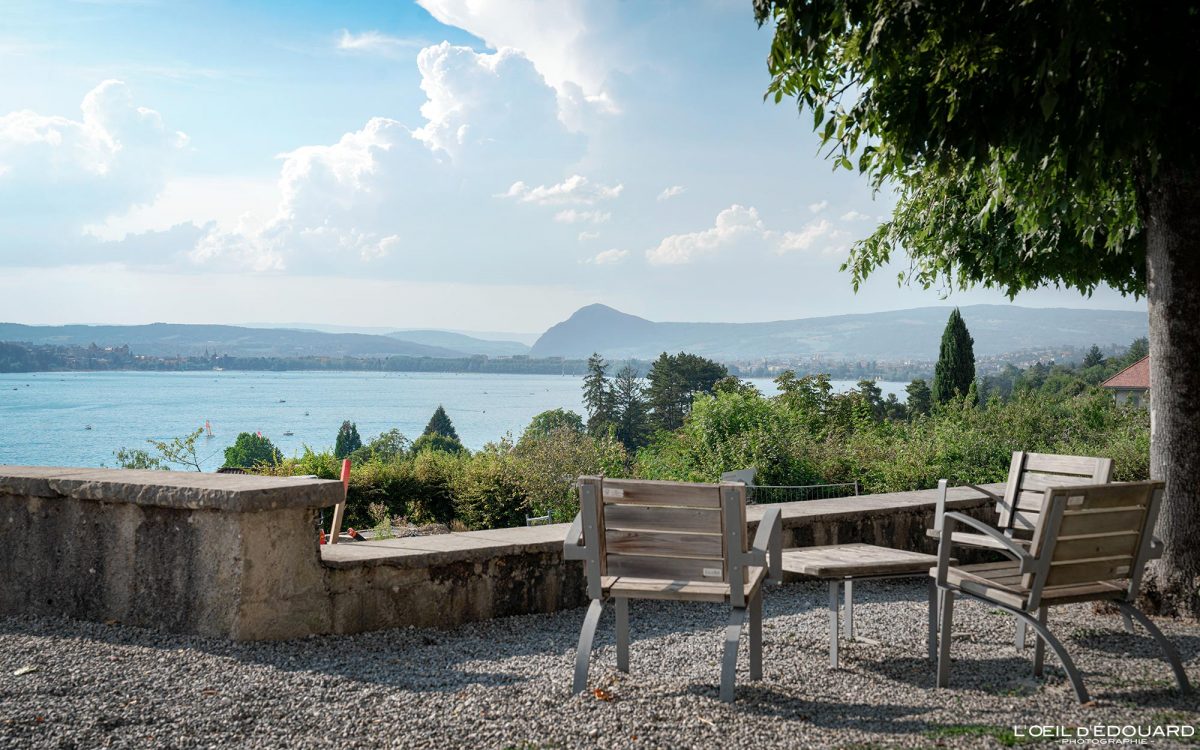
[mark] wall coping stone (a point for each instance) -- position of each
(187, 490)
(479, 546)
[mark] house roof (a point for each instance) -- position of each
(1136, 375)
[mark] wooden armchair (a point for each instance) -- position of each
(671, 540)
(1090, 543)
(1017, 510)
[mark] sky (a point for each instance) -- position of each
(459, 164)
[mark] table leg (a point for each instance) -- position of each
(933, 615)
(849, 584)
(833, 623)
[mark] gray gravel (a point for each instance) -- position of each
(506, 683)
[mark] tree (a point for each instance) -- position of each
(1093, 358)
(388, 446)
(440, 424)
(632, 412)
(1137, 350)
(598, 396)
(251, 449)
(674, 380)
(553, 419)
(348, 440)
(1029, 143)
(955, 369)
(920, 400)
(433, 441)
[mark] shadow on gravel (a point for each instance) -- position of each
(766, 701)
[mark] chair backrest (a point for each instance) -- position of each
(675, 531)
(1094, 533)
(1031, 474)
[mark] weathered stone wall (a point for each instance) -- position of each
(237, 556)
(226, 555)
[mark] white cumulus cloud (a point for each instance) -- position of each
(854, 216)
(669, 193)
(576, 189)
(732, 225)
(114, 156)
(818, 207)
(608, 257)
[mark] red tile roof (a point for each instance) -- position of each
(1136, 375)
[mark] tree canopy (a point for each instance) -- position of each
(673, 380)
(1020, 136)
(347, 441)
(251, 449)
(440, 424)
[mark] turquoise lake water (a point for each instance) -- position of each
(44, 416)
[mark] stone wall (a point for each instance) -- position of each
(237, 556)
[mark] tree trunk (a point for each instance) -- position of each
(1173, 293)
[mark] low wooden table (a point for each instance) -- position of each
(847, 563)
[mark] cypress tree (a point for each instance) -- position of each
(440, 424)
(633, 413)
(955, 369)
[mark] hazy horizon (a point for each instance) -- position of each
(439, 164)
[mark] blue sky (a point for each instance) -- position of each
(447, 163)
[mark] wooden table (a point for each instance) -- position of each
(846, 563)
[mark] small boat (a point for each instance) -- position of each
(306, 414)
(283, 400)
(289, 433)
(86, 426)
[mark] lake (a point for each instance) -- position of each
(44, 417)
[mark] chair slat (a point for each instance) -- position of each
(1096, 545)
(1060, 464)
(1103, 521)
(670, 494)
(651, 518)
(669, 568)
(663, 544)
(1037, 481)
(1089, 571)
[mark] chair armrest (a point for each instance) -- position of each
(767, 549)
(573, 547)
(1009, 546)
(940, 510)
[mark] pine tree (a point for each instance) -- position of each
(347, 441)
(633, 413)
(955, 369)
(598, 396)
(919, 398)
(1093, 357)
(440, 424)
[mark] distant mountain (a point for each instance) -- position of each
(893, 335)
(169, 339)
(462, 342)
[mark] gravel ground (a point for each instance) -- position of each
(505, 683)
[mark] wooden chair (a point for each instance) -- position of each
(1029, 475)
(1090, 543)
(671, 540)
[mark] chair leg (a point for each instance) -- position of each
(1039, 646)
(733, 632)
(849, 586)
(622, 633)
(947, 620)
(1168, 650)
(1019, 637)
(756, 611)
(932, 639)
(584, 651)
(833, 623)
(1044, 634)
